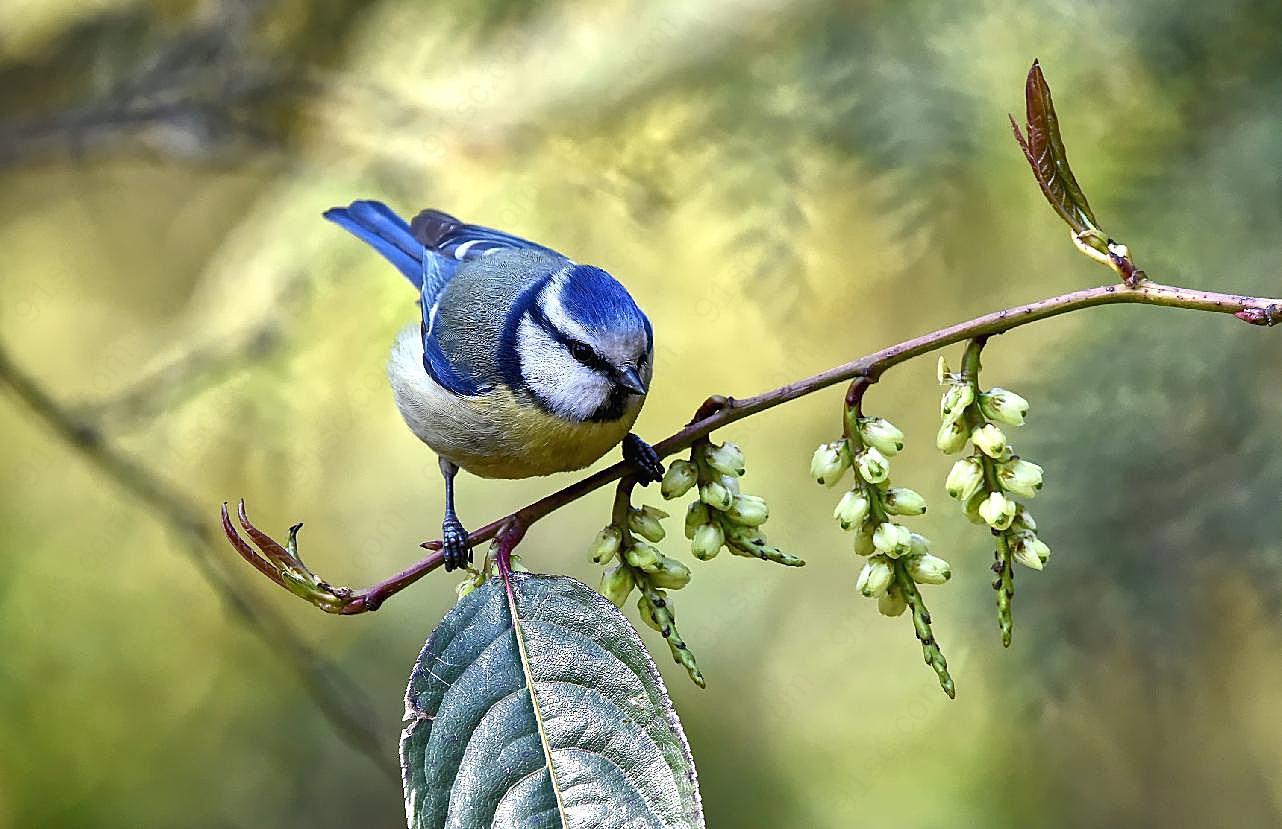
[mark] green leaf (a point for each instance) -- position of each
(538, 706)
(1045, 152)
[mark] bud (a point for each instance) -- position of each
(852, 509)
(730, 482)
(830, 463)
(998, 511)
(882, 434)
(989, 440)
(892, 602)
(463, 588)
(749, 510)
(681, 475)
(707, 541)
(1029, 550)
(964, 479)
(616, 584)
(942, 371)
(900, 500)
(955, 400)
(1004, 406)
(1021, 477)
(671, 574)
(715, 495)
(876, 576)
(951, 438)
(605, 545)
(892, 539)
(645, 522)
(873, 466)
(1024, 520)
(727, 458)
(863, 540)
(643, 557)
(928, 569)
(919, 545)
(971, 507)
(696, 516)
(646, 611)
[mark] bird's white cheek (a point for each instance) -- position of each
(569, 388)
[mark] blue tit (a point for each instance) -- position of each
(525, 362)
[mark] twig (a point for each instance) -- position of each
(718, 411)
(338, 698)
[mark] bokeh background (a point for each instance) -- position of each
(783, 186)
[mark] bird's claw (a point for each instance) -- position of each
(283, 565)
(643, 459)
(454, 546)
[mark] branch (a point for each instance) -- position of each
(717, 412)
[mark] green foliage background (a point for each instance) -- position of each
(783, 185)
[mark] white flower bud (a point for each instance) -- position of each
(749, 510)
(681, 475)
(1029, 550)
(942, 371)
(643, 557)
(616, 584)
(645, 522)
(830, 462)
(730, 482)
(882, 434)
(873, 466)
(919, 546)
(929, 569)
(1024, 478)
(696, 516)
(1024, 520)
(876, 576)
(863, 540)
(852, 509)
(605, 545)
(671, 574)
(951, 438)
(964, 479)
(989, 440)
(1004, 406)
(892, 539)
(900, 500)
(998, 511)
(727, 458)
(892, 603)
(715, 495)
(707, 541)
(955, 400)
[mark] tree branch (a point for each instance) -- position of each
(717, 412)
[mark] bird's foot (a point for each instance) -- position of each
(454, 543)
(643, 459)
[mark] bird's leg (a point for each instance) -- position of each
(453, 536)
(643, 459)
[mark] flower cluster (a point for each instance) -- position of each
(988, 481)
(897, 559)
(722, 516)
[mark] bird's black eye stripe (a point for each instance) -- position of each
(579, 350)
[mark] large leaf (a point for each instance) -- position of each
(538, 706)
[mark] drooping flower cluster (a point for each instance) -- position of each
(988, 481)
(897, 559)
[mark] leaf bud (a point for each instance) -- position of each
(873, 466)
(643, 557)
(830, 462)
(951, 437)
(892, 539)
(852, 509)
(605, 545)
(900, 500)
(616, 584)
(875, 577)
(998, 511)
(707, 541)
(749, 510)
(645, 522)
(696, 516)
(671, 574)
(727, 458)
(955, 400)
(964, 479)
(1003, 406)
(929, 569)
(989, 440)
(892, 602)
(681, 475)
(1024, 478)
(715, 495)
(882, 434)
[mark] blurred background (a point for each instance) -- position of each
(783, 186)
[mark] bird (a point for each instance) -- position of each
(524, 362)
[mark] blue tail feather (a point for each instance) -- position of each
(375, 224)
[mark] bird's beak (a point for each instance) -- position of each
(631, 380)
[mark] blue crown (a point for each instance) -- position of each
(596, 300)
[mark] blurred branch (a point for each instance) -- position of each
(337, 697)
(282, 564)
